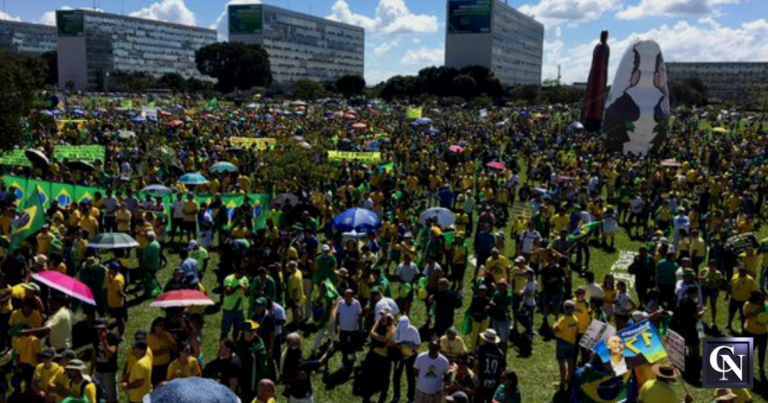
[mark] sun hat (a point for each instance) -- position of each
(664, 371)
(490, 336)
(191, 390)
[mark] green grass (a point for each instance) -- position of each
(537, 369)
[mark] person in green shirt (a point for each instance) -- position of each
(501, 304)
(710, 280)
(235, 289)
(326, 266)
(263, 285)
(152, 259)
(508, 391)
(200, 255)
(92, 274)
(666, 271)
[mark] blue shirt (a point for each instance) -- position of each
(189, 266)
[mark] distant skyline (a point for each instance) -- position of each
(403, 36)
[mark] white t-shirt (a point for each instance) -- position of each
(407, 273)
(279, 315)
(110, 206)
(528, 237)
(636, 205)
(594, 290)
(621, 304)
(529, 294)
(177, 211)
(388, 303)
(431, 373)
(347, 315)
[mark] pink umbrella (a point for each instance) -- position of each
(350, 116)
(497, 165)
(456, 149)
(66, 285)
(359, 126)
(181, 298)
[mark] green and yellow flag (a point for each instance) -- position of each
(413, 113)
(31, 220)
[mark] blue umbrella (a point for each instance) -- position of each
(422, 121)
(358, 220)
(443, 216)
(138, 119)
(193, 179)
(223, 166)
(192, 390)
(544, 193)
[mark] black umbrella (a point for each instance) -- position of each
(37, 158)
(81, 166)
(284, 199)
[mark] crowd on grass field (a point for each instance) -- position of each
(519, 200)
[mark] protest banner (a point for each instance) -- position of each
(70, 123)
(91, 153)
(632, 346)
(15, 158)
(675, 345)
(373, 157)
(620, 268)
(413, 113)
(261, 143)
(597, 331)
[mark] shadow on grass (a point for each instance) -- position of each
(562, 396)
(336, 378)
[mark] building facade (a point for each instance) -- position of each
(299, 45)
(492, 34)
(26, 38)
(92, 45)
(734, 82)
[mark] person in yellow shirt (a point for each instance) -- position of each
(295, 291)
(123, 218)
(27, 315)
(566, 330)
(76, 384)
(660, 389)
(27, 349)
(751, 260)
(190, 209)
(498, 266)
(583, 313)
(139, 382)
(265, 392)
(162, 344)
(114, 284)
(44, 239)
(741, 288)
(6, 307)
(756, 326)
(46, 376)
(185, 366)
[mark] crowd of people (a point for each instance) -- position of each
(441, 302)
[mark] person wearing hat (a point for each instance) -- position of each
(139, 382)
(253, 357)
(151, 263)
(742, 285)
(45, 375)
(104, 359)
(445, 301)
(490, 363)
(377, 365)
(326, 266)
(92, 274)
(185, 366)
(660, 389)
(498, 266)
(566, 330)
(478, 311)
(77, 385)
(430, 367)
(725, 395)
(296, 372)
(263, 285)
(499, 312)
(406, 273)
(666, 278)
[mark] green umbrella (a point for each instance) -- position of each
(223, 166)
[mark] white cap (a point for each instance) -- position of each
(191, 244)
(326, 248)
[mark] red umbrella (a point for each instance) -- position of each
(181, 298)
(359, 126)
(174, 123)
(497, 165)
(66, 285)
(456, 149)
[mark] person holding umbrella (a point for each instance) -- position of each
(58, 327)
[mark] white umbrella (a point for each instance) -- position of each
(126, 134)
(443, 216)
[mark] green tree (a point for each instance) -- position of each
(528, 93)
(21, 76)
(51, 61)
(350, 85)
(173, 81)
(235, 65)
(306, 88)
(465, 86)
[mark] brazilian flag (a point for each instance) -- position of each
(31, 220)
(584, 232)
(593, 386)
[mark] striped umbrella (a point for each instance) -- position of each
(181, 298)
(112, 240)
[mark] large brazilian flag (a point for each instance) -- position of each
(31, 220)
(593, 386)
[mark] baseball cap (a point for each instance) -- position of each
(140, 335)
(326, 248)
(114, 266)
(191, 244)
(249, 326)
(261, 301)
(48, 353)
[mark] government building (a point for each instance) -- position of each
(26, 38)
(733, 82)
(494, 35)
(92, 45)
(299, 45)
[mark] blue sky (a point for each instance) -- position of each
(403, 36)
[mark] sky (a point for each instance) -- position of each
(403, 36)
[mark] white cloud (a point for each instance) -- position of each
(169, 11)
(7, 17)
(385, 47)
(391, 17)
(49, 17)
(416, 40)
(671, 8)
(373, 77)
(705, 40)
(222, 22)
(555, 12)
(424, 57)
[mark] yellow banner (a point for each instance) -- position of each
(261, 143)
(79, 123)
(365, 157)
(413, 113)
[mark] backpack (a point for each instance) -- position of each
(101, 393)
